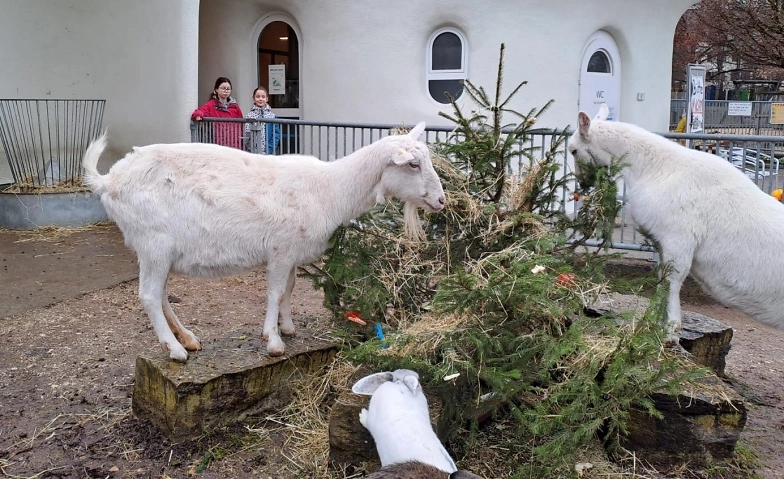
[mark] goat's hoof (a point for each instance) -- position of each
(288, 331)
(177, 353)
(192, 344)
(276, 347)
(673, 340)
(276, 352)
(363, 417)
(189, 340)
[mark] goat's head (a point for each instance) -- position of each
(411, 178)
(585, 149)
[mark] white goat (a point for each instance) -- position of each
(418, 470)
(399, 421)
(209, 211)
(705, 215)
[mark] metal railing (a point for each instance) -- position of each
(45, 140)
(716, 118)
(756, 156)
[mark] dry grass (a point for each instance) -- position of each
(306, 418)
(56, 233)
(67, 186)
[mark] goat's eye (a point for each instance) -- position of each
(414, 165)
(573, 151)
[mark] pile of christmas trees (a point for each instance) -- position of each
(493, 298)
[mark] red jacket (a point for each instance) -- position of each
(223, 133)
(213, 109)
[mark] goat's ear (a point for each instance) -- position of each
(368, 385)
(399, 374)
(584, 122)
(412, 383)
(417, 131)
(402, 157)
(603, 112)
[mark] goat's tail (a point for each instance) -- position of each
(92, 178)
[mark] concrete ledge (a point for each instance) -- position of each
(25, 211)
(231, 378)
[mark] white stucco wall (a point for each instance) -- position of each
(362, 61)
(365, 61)
(140, 56)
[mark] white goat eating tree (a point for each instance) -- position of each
(210, 211)
(705, 215)
(399, 421)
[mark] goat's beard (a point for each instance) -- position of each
(411, 222)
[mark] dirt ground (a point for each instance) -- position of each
(72, 327)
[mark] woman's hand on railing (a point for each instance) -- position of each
(198, 118)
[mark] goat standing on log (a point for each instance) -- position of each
(705, 215)
(210, 211)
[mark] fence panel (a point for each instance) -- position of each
(756, 156)
(717, 119)
(45, 140)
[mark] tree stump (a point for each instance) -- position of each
(699, 427)
(706, 339)
(349, 441)
(230, 379)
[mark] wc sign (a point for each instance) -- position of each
(596, 89)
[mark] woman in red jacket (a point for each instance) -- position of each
(222, 105)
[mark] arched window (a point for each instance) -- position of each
(277, 49)
(446, 64)
(278, 45)
(599, 63)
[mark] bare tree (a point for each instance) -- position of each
(744, 38)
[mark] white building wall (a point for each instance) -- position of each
(365, 61)
(362, 60)
(140, 56)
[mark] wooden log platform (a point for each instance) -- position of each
(229, 379)
(706, 339)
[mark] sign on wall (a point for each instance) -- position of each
(277, 79)
(777, 113)
(695, 113)
(739, 108)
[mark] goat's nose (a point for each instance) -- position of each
(441, 200)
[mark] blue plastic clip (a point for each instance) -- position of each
(380, 335)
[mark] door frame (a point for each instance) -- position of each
(254, 41)
(601, 41)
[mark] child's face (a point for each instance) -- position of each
(223, 91)
(260, 98)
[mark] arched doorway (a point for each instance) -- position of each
(600, 75)
(277, 51)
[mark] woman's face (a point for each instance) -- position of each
(223, 91)
(260, 98)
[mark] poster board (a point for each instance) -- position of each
(739, 108)
(277, 79)
(695, 112)
(777, 113)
